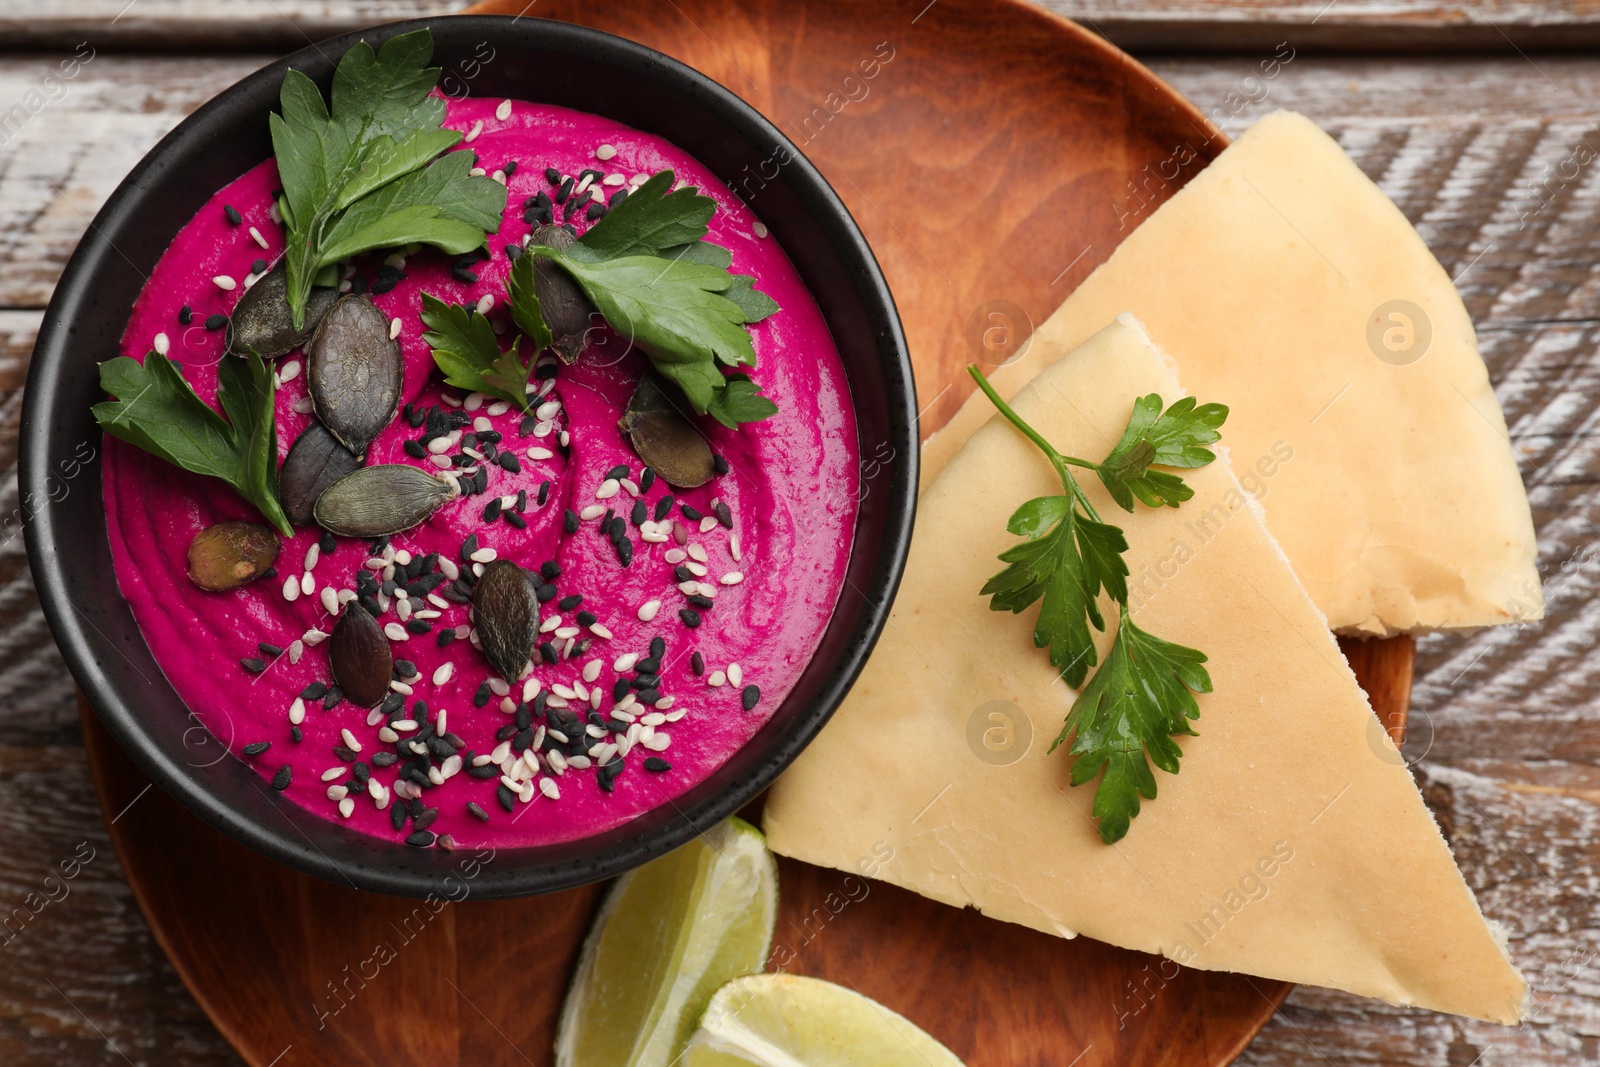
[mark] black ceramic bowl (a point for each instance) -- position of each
(536, 60)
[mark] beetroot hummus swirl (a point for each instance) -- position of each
(648, 675)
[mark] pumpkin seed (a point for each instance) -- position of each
(380, 500)
(229, 554)
(564, 307)
(505, 610)
(353, 369)
(315, 461)
(263, 323)
(666, 441)
(360, 656)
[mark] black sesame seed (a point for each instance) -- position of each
(419, 626)
(681, 573)
(749, 696)
(509, 462)
(548, 652)
(257, 748)
(697, 663)
(397, 815)
(587, 618)
(658, 647)
(269, 650)
(216, 322)
(462, 274)
(481, 480)
(334, 697)
(477, 812)
(607, 775)
(567, 603)
(724, 514)
(647, 478)
(384, 759)
(516, 520)
(382, 285)
(185, 315)
(692, 514)
(561, 194)
(269, 574)
(415, 450)
(550, 569)
(507, 799)
(280, 781)
(552, 175)
(491, 510)
(233, 214)
(421, 839)
(624, 552)
(596, 210)
(570, 521)
(617, 529)
(719, 463)
(704, 603)
(640, 513)
(468, 547)
(618, 472)
(648, 665)
(690, 617)
(358, 284)
(620, 689)
(348, 755)
(403, 669)
(618, 197)
(327, 543)
(253, 665)
(657, 764)
(295, 734)
(649, 696)
(546, 593)
(664, 507)
(258, 266)
(544, 495)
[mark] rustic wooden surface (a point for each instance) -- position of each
(1487, 155)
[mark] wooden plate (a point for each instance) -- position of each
(994, 155)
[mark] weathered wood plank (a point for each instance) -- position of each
(1486, 158)
(1149, 25)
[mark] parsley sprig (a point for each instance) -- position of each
(648, 270)
(363, 175)
(157, 410)
(1143, 695)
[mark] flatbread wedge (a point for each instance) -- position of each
(1292, 806)
(1294, 291)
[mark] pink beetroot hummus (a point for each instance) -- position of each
(770, 545)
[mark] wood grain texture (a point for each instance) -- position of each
(1148, 25)
(1506, 725)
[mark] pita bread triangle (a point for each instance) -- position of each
(1294, 291)
(1260, 856)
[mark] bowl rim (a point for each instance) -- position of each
(44, 532)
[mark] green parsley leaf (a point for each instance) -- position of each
(755, 305)
(650, 220)
(358, 177)
(1174, 438)
(1126, 717)
(467, 350)
(675, 311)
(157, 410)
(523, 296)
(1140, 698)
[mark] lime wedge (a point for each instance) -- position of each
(782, 1020)
(668, 936)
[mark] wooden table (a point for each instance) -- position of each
(1470, 115)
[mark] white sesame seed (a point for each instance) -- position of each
(442, 673)
(599, 629)
(735, 674)
(485, 302)
(530, 689)
(548, 410)
(608, 489)
(395, 632)
(289, 370)
(732, 578)
(225, 283)
(308, 583)
(330, 600)
(473, 402)
(161, 344)
(472, 134)
(605, 152)
(450, 399)
(625, 662)
(439, 445)
(349, 739)
(401, 688)
(614, 179)
(675, 556)
(631, 486)
(503, 112)
(297, 712)
(708, 524)
(296, 650)
(255, 235)
(548, 787)
(302, 406)
(439, 723)
(484, 555)
(394, 327)
(539, 453)
(498, 687)
(499, 176)
(450, 767)
(716, 680)
(688, 588)
(313, 638)
(656, 742)
(706, 589)
(583, 186)
(596, 195)
(337, 793)
(593, 511)
(760, 229)
(440, 461)
(648, 609)
(565, 632)
(291, 588)
(448, 566)
(313, 554)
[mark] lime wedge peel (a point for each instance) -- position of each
(669, 935)
(783, 1020)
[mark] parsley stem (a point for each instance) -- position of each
(1057, 460)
